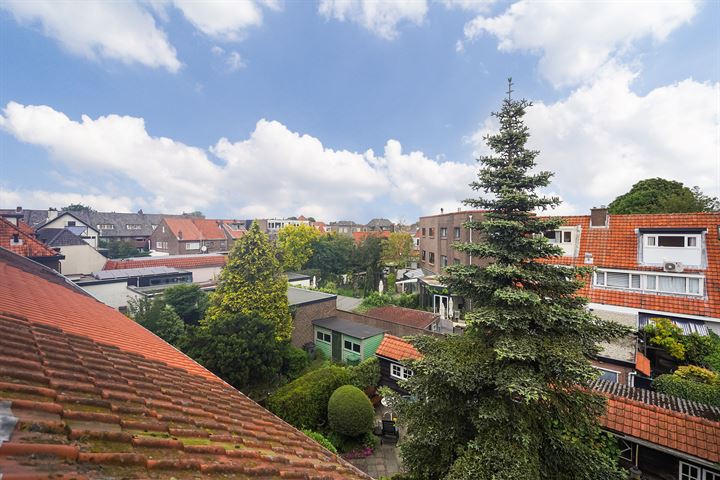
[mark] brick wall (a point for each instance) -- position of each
(623, 370)
(392, 328)
(304, 314)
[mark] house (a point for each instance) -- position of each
(274, 225)
(437, 235)
(392, 354)
(16, 239)
(134, 228)
(69, 220)
(80, 257)
(345, 227)
(305, 307)
(89, 393)
(189, 235)
(205, 268)
(346, 341)
(360, 237)
(380, 225)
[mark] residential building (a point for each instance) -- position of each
(345, 341)
(274, 225)
(189, 235)
(205, 268)
(305, 307)
(345, 227)
(380, 225)
(89, 393)
(393, 354)
(359, 237)
(72, 222)
(80, 257)
(17, 239)
(438, 233)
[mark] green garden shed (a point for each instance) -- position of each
(345, 341)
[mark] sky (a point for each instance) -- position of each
(347, 109)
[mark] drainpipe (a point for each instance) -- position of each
(470, 216)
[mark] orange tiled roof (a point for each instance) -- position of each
(616, 247)
(403, 316)
(174, 261)
(360, 236)
(395, 348)
(29, 245)
(88, 403)
(196, 228)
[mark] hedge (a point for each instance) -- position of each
(688, 389)
(350, 411)
(303, 402)
(366, 374)
(320, 438)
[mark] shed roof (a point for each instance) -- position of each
(403, 316)
(395, 348)
(136, 272)
(300, 296)
(202, 260)
(347, 327)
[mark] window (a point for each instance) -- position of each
(670, 241)
(456, 233)
(443, 232)
(71, 223)
(711, 475)
(15, 239)
(432, 258)
(163, 229)
(689, 472)
(192, 246)
(650, 283)
(133, 226)
(627, 450)
(423, 254)
(400, 372)
(106, 226)
(559, 236)
(676, 240)
(323, 336)
(443, 261)
(431, 232)
(351, 346)
(456, 261)
(165, 245)
(423, 231)
(158, 244)
(609, 375)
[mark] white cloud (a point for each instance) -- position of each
(121, 31)
(604, 137)
(470, 5)
(273, 172)
(234, 62)
(576, 38)
(380, 17)
(43, 199)
(224, 20)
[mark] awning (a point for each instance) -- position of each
(688, 326)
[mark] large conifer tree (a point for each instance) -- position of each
(506, 400)
(252, 284)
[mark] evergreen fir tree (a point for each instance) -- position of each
(252, 284)
(507, 399)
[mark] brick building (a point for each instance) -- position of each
(188, 235)
(437, 233)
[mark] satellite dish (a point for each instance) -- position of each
(203, 249)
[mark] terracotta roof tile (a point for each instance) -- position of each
(395, 348)
(87, 402)
(403, 316)
(28, 245)
(359, 237)
(195, 228)
(173, 261)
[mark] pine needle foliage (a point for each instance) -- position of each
(253, 284)
(506, 400)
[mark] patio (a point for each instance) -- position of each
(385, 460)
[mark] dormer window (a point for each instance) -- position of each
(15, 240)
(566, 238)
(671, 245)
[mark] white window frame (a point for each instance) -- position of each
(192, 246)
(629, 447)
(686, 243)
(571, 230)
(600, 281)
(616, 372)
(689, 475)
(443, 232)
(106, 226)
(326, 337)
(159, 245)
(352, 346)
(403, 373)
(710, 475)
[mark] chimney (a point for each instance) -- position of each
(442, 210)
(599, 217)
(18, 209)
(179, 234)
(52, 213)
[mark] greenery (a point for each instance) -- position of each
(239, 348)
(345, 444)
(376, 299)
(188, 301)
(252, 284)
(295, 243)
(303, 402)
(506, 400)
(157, 317)
(320, 438)
(117, 249)
(665, 334)
(674, 384)
(332, 256)
(350, 412)
(78, 207)
(697, 374)
(657, 195)
(294, 361)
(396, 249)
(369, 258)
(366, 374)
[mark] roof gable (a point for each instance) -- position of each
(27, 245)
(395, 348)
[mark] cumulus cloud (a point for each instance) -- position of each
(43, 199)
(275, 171)
(604, 137)
(225, 21)
(380, 17)
(121, 31)
(576, 38)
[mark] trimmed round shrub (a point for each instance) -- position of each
(303, 402)
(350, 411)
(320, 438)
(688, 389)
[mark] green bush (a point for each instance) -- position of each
(295, 361)
(367, 374)
(712, 359)
(350, 411)
(303, 402)
(376, 299)
(345, 444)
(697, 374)
(688, 389)
(320, 438)
(665, 334)
(697, 347)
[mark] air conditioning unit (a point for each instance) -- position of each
(673, 267)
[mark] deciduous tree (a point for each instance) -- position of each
(657, 195)
(507, 400)
(396, 249)
(296, 245)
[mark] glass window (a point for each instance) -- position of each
(635, 281)
(443, 261)
(711, 475)
(671, 284)
(692, 241)
(456, 261)
(423, 254)
(689, 472)
(650, 281)
(423, 232)
(617, 279)
(694, 285)
(443, 232)
(651, 241)
(553, 236)
(431, 232)
(599, 278)
(567, 237)
(400, 372)
(432, 258)
(456, 232)
(352, 346)
(323, 337)
(608, 375)
(671, 241)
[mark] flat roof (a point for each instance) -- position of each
(136, 272)
(347, 327)
(293, 277)
(300, 296)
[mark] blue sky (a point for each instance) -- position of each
(346, 109)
